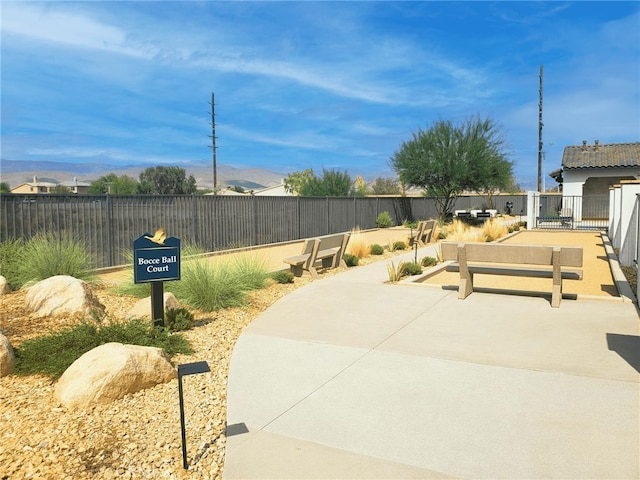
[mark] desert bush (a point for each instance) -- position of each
(178, 319)
(52, 354)
(11, 252)
(46, 255)
(411, 268)
(376, 249)
(408, 224)
(282, 276)
(384, 220)
(357, 245)
(398, 245)
(350, 260)
(428, 261)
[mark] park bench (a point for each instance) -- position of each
(423, 233)
(325, 252)
(306, 259)
(427, 232)
(564, 219)
(416, 235)
(513, 259)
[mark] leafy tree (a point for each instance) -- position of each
(297, 180)
(166, 181)
(360, 188)
(448, 159)
(385, 186)
(117, 185)
(333, 183)
(5, 187)
(60, 189)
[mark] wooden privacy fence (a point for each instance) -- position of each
(108, 224)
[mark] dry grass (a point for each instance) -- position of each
(494, 229)
(458, 231)
(357, 244)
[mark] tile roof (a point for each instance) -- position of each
(601, 156)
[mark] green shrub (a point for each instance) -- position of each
(384, 220)
(399, 245)
(376, 249)
(408, 224)
(11, 252)
(178, 319)
(52, 354)
(283, 276)
(205, 286)
(251, 270)
(350, 260)
(428, 261)
(46, 255)
(411, 268)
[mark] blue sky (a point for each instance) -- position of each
(335, 85)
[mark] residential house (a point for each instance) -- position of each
(588, 171)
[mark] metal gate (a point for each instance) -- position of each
(589, 212)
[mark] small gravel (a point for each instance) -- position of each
(139, 436)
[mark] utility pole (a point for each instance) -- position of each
(540, 124)
(213, 144)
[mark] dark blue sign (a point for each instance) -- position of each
(156, 258)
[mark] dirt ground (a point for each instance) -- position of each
(597, 278)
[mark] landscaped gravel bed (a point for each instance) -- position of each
(136, 437)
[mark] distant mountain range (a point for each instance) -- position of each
(17, 172)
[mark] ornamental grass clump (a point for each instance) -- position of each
(43, 256)
(209, 287)
(494, 229)
(357, 245)
(10, 259)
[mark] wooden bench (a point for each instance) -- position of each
(325, 252)
(512, 259)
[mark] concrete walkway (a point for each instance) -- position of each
(349, 377)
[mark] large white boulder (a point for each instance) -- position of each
(62, 295)
(110, 372)
(4, 285)
(7, 358)
(142, 308)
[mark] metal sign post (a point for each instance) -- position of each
(187, 369)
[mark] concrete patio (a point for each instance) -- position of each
(349, 377)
